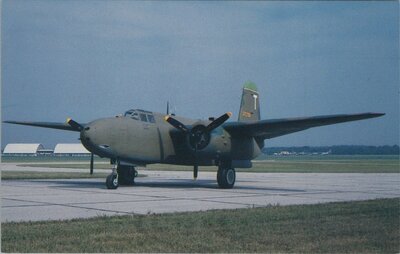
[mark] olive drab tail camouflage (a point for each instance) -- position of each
(250, 106)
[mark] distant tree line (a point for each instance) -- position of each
(336, 150)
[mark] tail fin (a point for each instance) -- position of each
(250, 107)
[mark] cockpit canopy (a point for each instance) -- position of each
(140, 115)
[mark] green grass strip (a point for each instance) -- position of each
(356, 227)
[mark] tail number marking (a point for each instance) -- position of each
(255, 101)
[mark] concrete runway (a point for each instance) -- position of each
(167, 192)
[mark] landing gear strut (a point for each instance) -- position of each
(121, 174)
(226, 177)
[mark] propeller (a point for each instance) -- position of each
(217, 122)
(199, 135)
(74, 124)
(180, 126)
(79, 127)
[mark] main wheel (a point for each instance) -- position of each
(112, 181)
(226, 178)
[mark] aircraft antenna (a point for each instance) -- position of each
(174, 111)
(167, 107)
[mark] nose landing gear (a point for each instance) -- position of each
(121, 175)
(112, 181)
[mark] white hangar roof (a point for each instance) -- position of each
(70, 149)
(22, 148)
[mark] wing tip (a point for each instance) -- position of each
(13, 122)
(376, 114)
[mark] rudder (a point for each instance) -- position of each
(250, 105)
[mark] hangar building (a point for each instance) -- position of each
(70, 150)
(23, 149)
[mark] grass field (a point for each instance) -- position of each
(295, 164)
(357, 227)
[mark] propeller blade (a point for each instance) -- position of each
(91, 163)
(217, 122)
(180, 126)
(74, 124)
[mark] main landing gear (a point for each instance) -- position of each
(121, 174)
(226, 177)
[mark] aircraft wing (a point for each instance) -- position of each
(266, 129)
(59, 126)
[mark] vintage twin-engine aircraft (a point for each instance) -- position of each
(141, 137)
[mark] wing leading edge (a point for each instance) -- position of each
(51, 125)
(266, 129)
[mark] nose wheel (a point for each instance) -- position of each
(112, 181)
(121, 175)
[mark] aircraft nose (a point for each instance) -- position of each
(89, 137)
(86, 134)
(95, 138)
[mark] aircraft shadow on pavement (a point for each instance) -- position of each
(67, 183)
(178, 183)
(209, 184)
(172, 184)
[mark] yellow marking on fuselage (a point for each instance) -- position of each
(246, 114)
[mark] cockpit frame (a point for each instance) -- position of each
(140, 115)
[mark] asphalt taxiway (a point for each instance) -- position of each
(170, 191)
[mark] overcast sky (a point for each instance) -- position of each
(91, 59)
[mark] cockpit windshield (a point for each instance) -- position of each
(140, 115)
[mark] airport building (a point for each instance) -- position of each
(70, 150)
(24, 149)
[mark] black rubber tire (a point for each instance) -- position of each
(111, 183)
(126, 175)
(226, 178)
